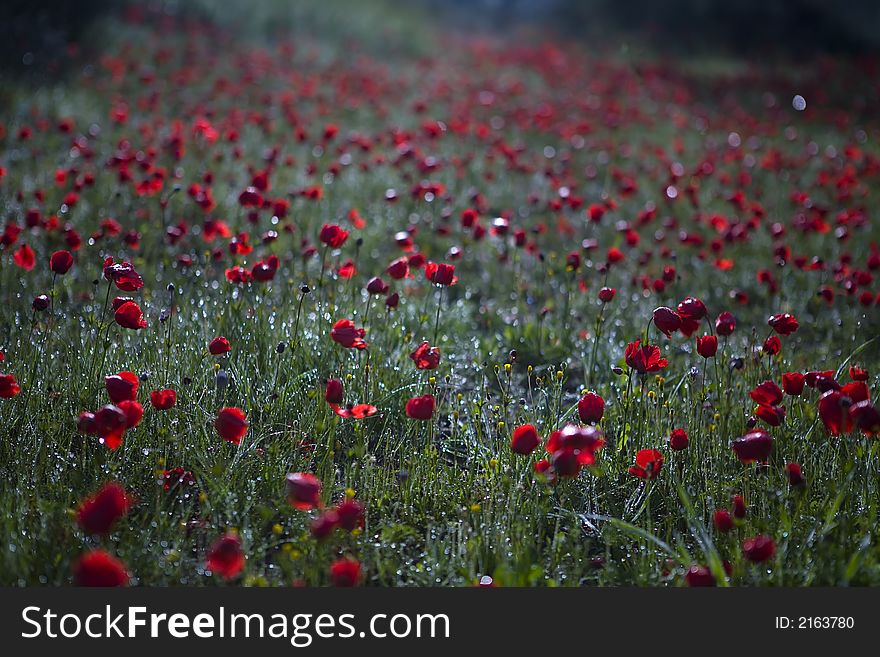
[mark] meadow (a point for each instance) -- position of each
(454, 311)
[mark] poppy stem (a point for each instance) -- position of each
(98, 332)
(597, 334)
(437, 317)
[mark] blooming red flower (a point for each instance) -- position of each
(219, 346)
(231, 424)
(644, 359)
(345, 572)
(303, 490)
(707, 345)
(573, 447)
(345, 333)
(9, 387)
(766, 393)
(666, 320)
(722, 520)
(699, 576)
(591, 408)
(351, 514)
(425, 356)
(333, 235)
(648, 464)
(795, 474)
(130, 316)
(110, 425)
(525, 440)
(123, 275)
(334, 393)
(793, 383)
(739, 507)
(725, 324)
(783, 323)
(60, 262)
(678, 440)
(99, 568)
(834, 407)
(606, 294)
(377, 286)
(759, 548)
(322, 526)
(356, 411)
(772, 346)
(122, 386)
(754, 446)
(24, 257)
(866, 417)
(440, 273)
(162, 400)
(133, 412)
(691, 311)
(421, 408)
(264, 270)
(98, 513)
(857, 373)
(772, 415)
(398, 269)
(225, 557)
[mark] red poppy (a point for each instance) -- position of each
(334, 393)
(754, 446)
(130, 316)
(377, 286)
(795, 474)
(865, 416)
(648, 464)
(303, 490)
(219, 346)
(9, 387)
(24, 257)
(123, 275)
(345, 572)
(793, 383)
(759, 548)
(425, 356)
(525, 440)
(606, 294)
(225, 557)
(591, 408)
(834, 407)
(772, 415)
(162, 400)
(772, 346)
(398, 269)
(99, 568)
(766, 393)
(739, 507)
(783, 323)
(644, 359)
(440, 273)
(60, 262)
(133, 412)
(41, 303)
(573, 447)
(356, 411)
(725, 324)
(722, 520)
(122, 386)
(238, 275)
(691, 311)
(110, 425)
(98, 513)
(231, 424)
(697, 576)
(857, 373)
(351, 514)
(345, 333)
(666, 320)
(678, 440)
(333, 236)
(322, 526)
(264, 270)
(421, 408)
(707, 345)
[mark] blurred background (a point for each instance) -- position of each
(36, 34)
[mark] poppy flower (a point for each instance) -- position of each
(440, 273)
(110, 425)
(772, 415)
(219, 346)
(795, 474)
(41, 303)
(24, 257)
(591, 408)
(783, 323)
(697, 576)
(133, 412)
(759, 549)
(130, 316)
(707, 345)
(753, 446)
(123, 275)
(834, 408)
(857, 373)
(334, 393)
(122, 386)
(264, 270)
(421, 408)
(793, 383)
(739, 507)
(648, 464)
(303, 490)
(99, 512)
(99, 568)
(722, 520)
(725, 324)
(162, 400)
(333, 235)
(351, 514)
(865, 416)
(322, 526)
(60, 262)
(9, 387)
(606, 294)
(678, 440)
(231, 424)
(766, 393)
(525, 440)
(666, 320)
(225, 557)
(644, 359)
(398, 269)
(425, 356)
(772, 346)
(691, 311)
(345, 333)
(345, 572)
(356, 411)
(377, 286)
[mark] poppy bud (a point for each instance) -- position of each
(722, 520)
(303, 490)
(678, 440)
(606, 294)
(759, 549)
(666, 320)
(334, 393)
(795, 474)
(60, 262)
(699, 576)
(707, 345)
(793, 383)
(41, 303)
(280, 347)
(525, 440)
(739, 507)
(725, 324)
(591, 408)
